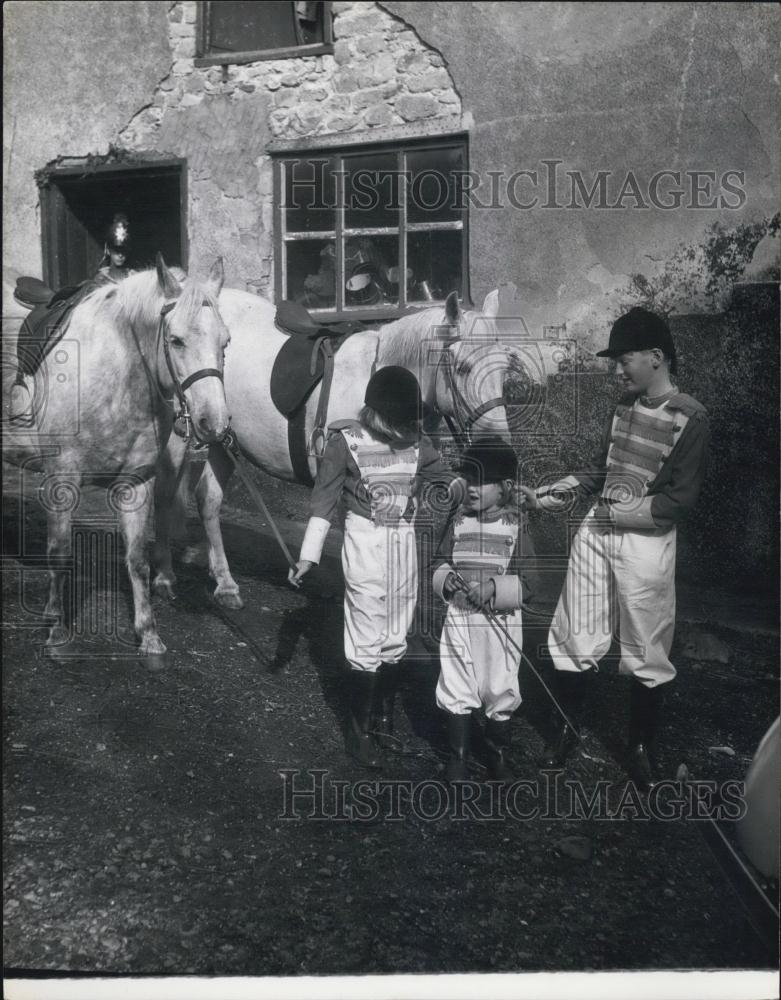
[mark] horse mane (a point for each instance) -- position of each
(404, 339)
(138, 299)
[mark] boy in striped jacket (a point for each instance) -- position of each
(621, 575)
(480, 551)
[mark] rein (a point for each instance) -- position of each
(183, 417)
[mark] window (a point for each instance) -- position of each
(372, 231)
(248, 31)
(79, 202)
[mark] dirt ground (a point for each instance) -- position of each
(144, 809)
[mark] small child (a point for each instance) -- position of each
(479, 667)
(379, 464)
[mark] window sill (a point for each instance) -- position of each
(265, 55)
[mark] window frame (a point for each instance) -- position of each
(384, 312)
(205, 58)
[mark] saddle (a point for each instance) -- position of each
(45, 326)
(306, 359)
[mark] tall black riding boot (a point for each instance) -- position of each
(359, 743)
(388, 678)
(459, 727)
(497, 738)
(644, 717)
(570, 689)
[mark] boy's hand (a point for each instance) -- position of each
(450, 586)
(294, 577)
(480, 595)
(529, 496)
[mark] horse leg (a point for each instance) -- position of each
(209, 493)
(58, 553)
(169, 508)
(133, 525)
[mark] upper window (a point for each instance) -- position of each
(241, 31)
(372, 230)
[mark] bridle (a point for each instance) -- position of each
(182, 418)
(464, 416)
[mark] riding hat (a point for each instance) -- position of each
(488, 460)
(118, 234)
(639, 330)
(395, 394)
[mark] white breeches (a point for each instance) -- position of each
(478, 666)
(620, 581)
(381, 587)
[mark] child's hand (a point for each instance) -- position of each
(450, 586)
(294, 577)
(529, 496)
(480, 595)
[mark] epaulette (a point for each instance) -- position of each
(688, 405)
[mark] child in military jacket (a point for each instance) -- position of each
(378, 465)
(621, 575)
(481, 551)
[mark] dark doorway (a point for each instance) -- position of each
(78, 206)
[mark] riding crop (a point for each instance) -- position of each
(462, 585)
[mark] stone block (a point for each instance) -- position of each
(433, 79)
(374, 95)
(342, 52)
(345, 82)
(413, 107)
(376, 71)
(351, 26)
(340, 123)
(413, 62)
(369, 45)
(190, 100)
(378, 114)
(272, 83)
(313, 93)
(285, 98)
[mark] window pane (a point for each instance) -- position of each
(434, 189)
(371, 270)
(436, 261)
(310, 195)
(371, 191)
(245, 25)
(311, 273)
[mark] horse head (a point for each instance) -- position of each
(192, 341)
(477, 352)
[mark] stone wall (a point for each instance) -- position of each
(380, 77)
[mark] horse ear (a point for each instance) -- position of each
(491, 303)
(216, 279)
(452, 309)
(169, 286)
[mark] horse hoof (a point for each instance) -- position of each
(58, 636)
(229, 599)
(151, 645)
(164, 588)
(154, 662)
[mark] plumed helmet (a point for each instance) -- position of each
(395, 394)
(489, 459)
(118, 234)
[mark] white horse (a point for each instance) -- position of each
(459, 358)
(105, 416)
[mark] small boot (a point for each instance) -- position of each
(388, 677)
(570, 689)
(358, 742)
(459, 727)
(644, 717)
(20, 410)
(497, 738)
